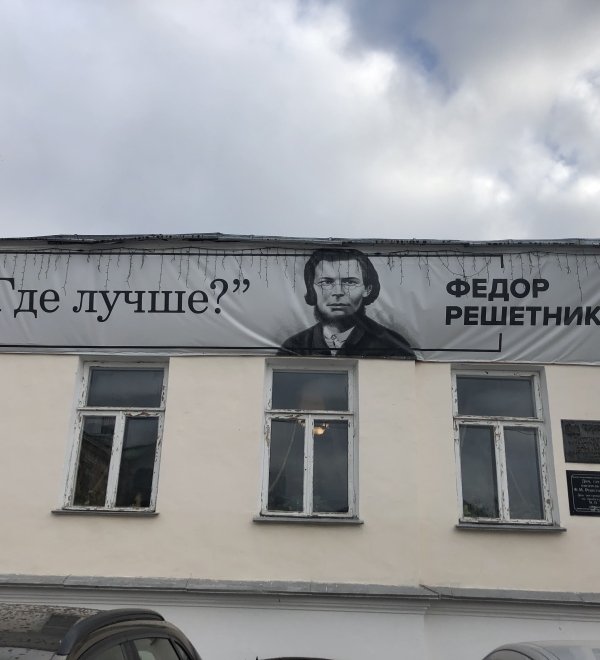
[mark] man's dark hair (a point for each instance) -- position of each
(369, 273)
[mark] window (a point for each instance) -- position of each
(155, 648)
(309, 465)
(501, 448)
(106, 652)
(118, 433)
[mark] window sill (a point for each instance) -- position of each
(510, 527)
(308, 520)
(104, 512)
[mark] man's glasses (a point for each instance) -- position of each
(327, 284)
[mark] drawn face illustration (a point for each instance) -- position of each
(340, 289)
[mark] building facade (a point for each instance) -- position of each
(429, 493)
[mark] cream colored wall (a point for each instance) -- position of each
(209, 486)
(492, 559)
(36, 403)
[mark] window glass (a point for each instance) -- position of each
(478, 469)
(500, 446)
(106, 653)
(116, 457)
(94, 461)
(156, 648)
(496, 397)
(125, 388)
(137, 461)
(576, 651)
(523, 475)
(330, 466)
(286, 465)
(309, 450)
(306, 390)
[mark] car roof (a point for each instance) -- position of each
(59, 628)
(556, 649)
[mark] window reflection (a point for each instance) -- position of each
(478, 469)
(106, 653)
(310, 390)
(155, 648)
(137, 462)
(330, 466)
(523, 475)
(309, 446)
(497, 397)
(94, 461)
(125, 388)
(286, 465)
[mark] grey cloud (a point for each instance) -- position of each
(299, 118)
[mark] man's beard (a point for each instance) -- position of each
(343, 322)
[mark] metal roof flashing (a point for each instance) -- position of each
(74, 241)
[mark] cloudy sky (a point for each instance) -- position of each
(469, 119)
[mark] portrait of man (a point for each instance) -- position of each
(340, 284)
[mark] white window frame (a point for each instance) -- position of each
(120, 414)
(497, 424)
(350, 416)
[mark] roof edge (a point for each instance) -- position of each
(217, 237)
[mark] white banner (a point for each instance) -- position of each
(527, 306)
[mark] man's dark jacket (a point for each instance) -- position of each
(367, 339)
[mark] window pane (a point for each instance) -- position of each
(137, 462)
(330, 466)
(310, 390)
(286, 465)
(157, 648)
(125, 387)
(478, 472)
(106, 653)
(523, 474)
(94, 461)
(495, 397)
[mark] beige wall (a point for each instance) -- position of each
(492, 559)
(209, 486)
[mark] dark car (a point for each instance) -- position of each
(574, 650)
(47, 632)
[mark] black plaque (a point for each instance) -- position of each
(581, 440)
(584, 493)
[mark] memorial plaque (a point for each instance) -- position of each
(581, 440)
(584, 493)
